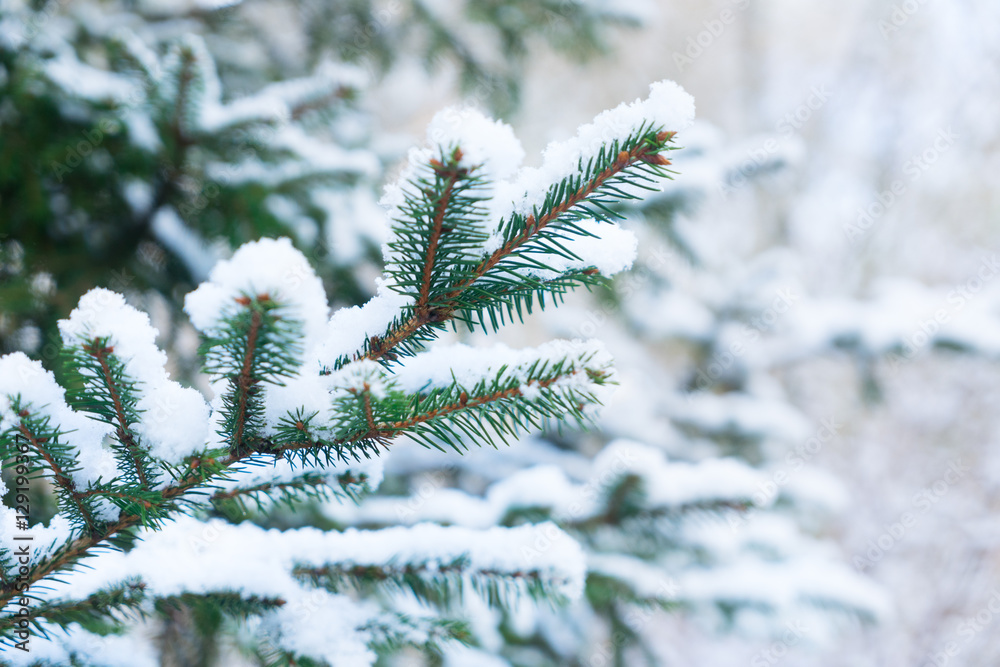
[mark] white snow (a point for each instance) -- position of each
(748, 415)
(198, 256)
(326, 626)
(487, 146)
(352, 218)
(349, 328)
(128, 650)
(193, 556)
(484, 142)
(445, 365)
(45, 540)
(289, 213)
(90, 83)
(669, 484)
(306, 156)
(784, 586)
(173, 420)
(668, 107)
(276, 102)
(646, 580)
(268, 266)
(604, 246)
(141, 131)
(42, 396)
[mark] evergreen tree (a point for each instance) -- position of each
(135, 159)
(697, 494)
(140, 142)
(303, 401)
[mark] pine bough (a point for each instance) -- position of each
(303, 405)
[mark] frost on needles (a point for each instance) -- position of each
(304, 401)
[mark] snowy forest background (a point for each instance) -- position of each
(814, 297)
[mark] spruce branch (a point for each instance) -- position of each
(255, 345)
(95, 609)
(111, 383)
(501, 403)
(258, 336)
(199, 471)
(498, 283)
(308, 485)
(57, 458)
(244, 389)
(399, 631)
(438, 584)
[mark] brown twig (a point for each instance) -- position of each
(101, 353)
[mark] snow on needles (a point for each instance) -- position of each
(202, 557)
(666, 485)
(483, 141)
(26, 382)
(275, 268)
(488, 147)
(174, 419)
(25, 379)
(668, 108)
(467, 366)
(349, 328)
(268, 266)
(492, 147)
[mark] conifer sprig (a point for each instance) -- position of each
(100, 386)
(439, 584)
(490, 290)
(308, 485)
(268, 343)
(373, 409)
(435, 244)
(257, 344)
(49, 454)
(101, 609)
